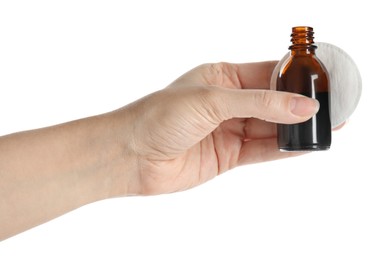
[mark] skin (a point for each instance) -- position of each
(212, 119)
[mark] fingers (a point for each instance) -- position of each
(259, 129)
(255, 75)
(261, 151)
(272, 106)
(246, 75)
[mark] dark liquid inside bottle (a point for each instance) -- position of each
(310, 135)
(303, 73)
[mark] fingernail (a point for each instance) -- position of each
(303, 106)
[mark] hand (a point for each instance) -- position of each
(210, 120)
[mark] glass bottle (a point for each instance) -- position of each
(304, 73)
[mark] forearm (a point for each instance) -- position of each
(205, 123)
(47, 172)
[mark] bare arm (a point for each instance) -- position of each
(213, 118)
(47, 172)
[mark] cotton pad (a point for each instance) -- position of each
(345, 81)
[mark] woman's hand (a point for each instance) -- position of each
(210, 120)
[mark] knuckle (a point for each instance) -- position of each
(217, 73)
(207, 95)
(215, 68)
(270, 105)
(265, 99)
(211, 100)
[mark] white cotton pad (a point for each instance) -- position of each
(345, 81)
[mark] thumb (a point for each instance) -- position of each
(269, 105)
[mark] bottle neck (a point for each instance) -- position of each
(302, 41)
(304, 50)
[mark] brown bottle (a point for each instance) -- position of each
(303, 73)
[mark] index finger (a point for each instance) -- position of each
(255, 75)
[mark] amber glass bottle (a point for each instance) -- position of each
(303, 73)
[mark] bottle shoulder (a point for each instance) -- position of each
(303, 64)
(302, 75)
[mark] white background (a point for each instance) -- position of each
(63, 60)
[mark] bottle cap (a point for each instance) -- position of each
(345, 81)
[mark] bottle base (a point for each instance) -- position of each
(308, 148)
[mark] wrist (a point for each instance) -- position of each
(121, 158)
